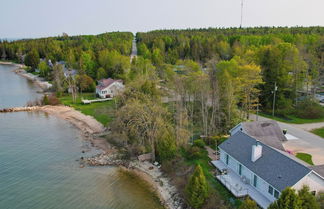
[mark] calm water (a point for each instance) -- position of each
(38, 161)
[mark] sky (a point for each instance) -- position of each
(43, 18)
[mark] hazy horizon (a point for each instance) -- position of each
(37, 18)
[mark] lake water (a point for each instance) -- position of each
(38, 161)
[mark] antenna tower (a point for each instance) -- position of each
(241, 13)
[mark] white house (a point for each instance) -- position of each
(108, 88)
(250, 167)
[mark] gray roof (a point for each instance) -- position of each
(274, 167)
(318, 169)
(267, 132)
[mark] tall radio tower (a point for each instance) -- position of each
(241, 13)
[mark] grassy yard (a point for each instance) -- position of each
(292, 119)
(319, 132)
(214, 184)
(305, 157)
(101, 111)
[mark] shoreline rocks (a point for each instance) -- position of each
(104, 159)
(19, 109)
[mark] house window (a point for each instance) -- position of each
(227, 159)
(255, 181)
(270, 190)
(240, 169)
(276, 194)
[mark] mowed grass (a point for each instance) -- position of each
(292, 119)
(101, 111)
(319, 132)
(305, 157)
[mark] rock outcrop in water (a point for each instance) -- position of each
(104, 159)
(19, 109)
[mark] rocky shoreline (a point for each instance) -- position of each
(44, 85)
(20, 70)
(109, 156)
(19, 109)
(104, 159)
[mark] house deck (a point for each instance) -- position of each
(237, 187)
(87, 101)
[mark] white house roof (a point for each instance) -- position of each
(104, 83)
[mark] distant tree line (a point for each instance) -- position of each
(292, 59)
(97, 56)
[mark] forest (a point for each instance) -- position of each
(289, 58)
(188, 88)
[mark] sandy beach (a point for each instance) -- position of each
(90, 127)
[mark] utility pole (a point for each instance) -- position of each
(257, 115)
(274, 98)
(241, 13)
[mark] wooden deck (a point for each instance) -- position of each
(86, 101)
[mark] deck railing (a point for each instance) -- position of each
(238, 192)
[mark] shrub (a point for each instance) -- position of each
(45, 100)
(199, 143)
(211, 141)
(309, 109)
(248, 204)
(51, 100)
(194, 152)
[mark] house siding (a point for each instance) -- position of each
(314, 181)
(111, 90)
(236, 129)
(262, 185)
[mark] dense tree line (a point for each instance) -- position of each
(292, 59)
(96, 55)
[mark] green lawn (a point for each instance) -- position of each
(101, 111)
(305, 157)
(319, 132)
(292, 119)
(214, 184)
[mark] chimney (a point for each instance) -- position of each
(256, 151)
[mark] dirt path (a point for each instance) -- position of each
(211, 153)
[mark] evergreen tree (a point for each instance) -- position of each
(197, 188)
(287, 200)
(166, 146)
(308, 200)
(320, 200)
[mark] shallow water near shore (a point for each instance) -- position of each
(39, 165)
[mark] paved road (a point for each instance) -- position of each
(309, 126)
(307, 142)
(134, 50)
